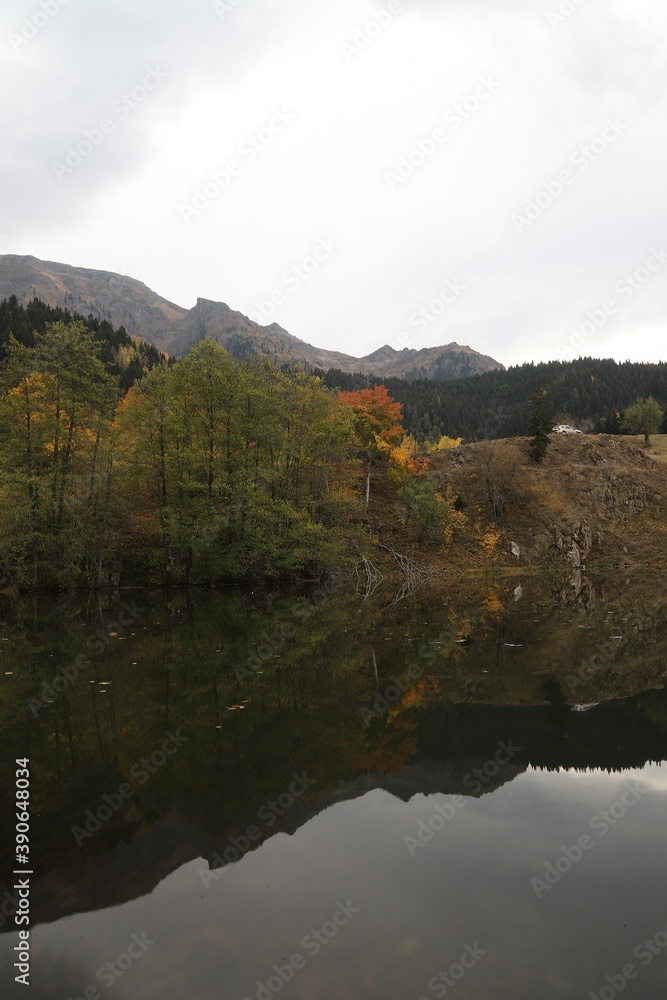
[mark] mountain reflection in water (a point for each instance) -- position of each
(232, 768)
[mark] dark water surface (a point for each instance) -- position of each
(239, 795)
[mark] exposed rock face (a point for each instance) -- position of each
(121, 300)
(127, 302)
(582, 543)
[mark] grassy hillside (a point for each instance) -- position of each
(658, 447)
(596, 501)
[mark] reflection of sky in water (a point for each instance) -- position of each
(470, 884)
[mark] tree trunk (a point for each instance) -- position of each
(368, 484)
(32, 498)
(65, 473)
(105, 515)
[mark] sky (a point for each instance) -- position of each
(410, 172)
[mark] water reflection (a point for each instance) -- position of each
(230, 770)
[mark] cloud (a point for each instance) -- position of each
(357, 114)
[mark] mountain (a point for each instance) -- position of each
(147, 846)
(106, 295)
(130, 303)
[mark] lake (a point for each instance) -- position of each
(340, 793)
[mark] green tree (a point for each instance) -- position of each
(539, 423)
(57, 400)
(643, 417)
(427, 512)
(501, 465)
(226, 467)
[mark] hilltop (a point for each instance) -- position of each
(588, 392)
(596, 501)
(124, 301)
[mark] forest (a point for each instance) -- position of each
(119, 463)
(590, 392)
(125, 357)
(207, 469)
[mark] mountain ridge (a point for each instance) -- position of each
(126, 301)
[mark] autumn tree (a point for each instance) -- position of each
(208, 469)
(376, 423)
(58, 398)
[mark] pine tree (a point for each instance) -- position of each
(539, 423)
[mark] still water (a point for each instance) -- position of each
(328, 796)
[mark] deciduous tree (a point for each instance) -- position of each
(377, 424)
(643, 417)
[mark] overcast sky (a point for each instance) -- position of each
(402, 140)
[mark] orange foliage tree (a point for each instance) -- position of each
(377, 424)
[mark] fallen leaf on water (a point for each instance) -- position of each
(214, 934)
(408, 947)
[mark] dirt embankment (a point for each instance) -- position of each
(595, 499)
(560, 566)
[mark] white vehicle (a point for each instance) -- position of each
(565, 429)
